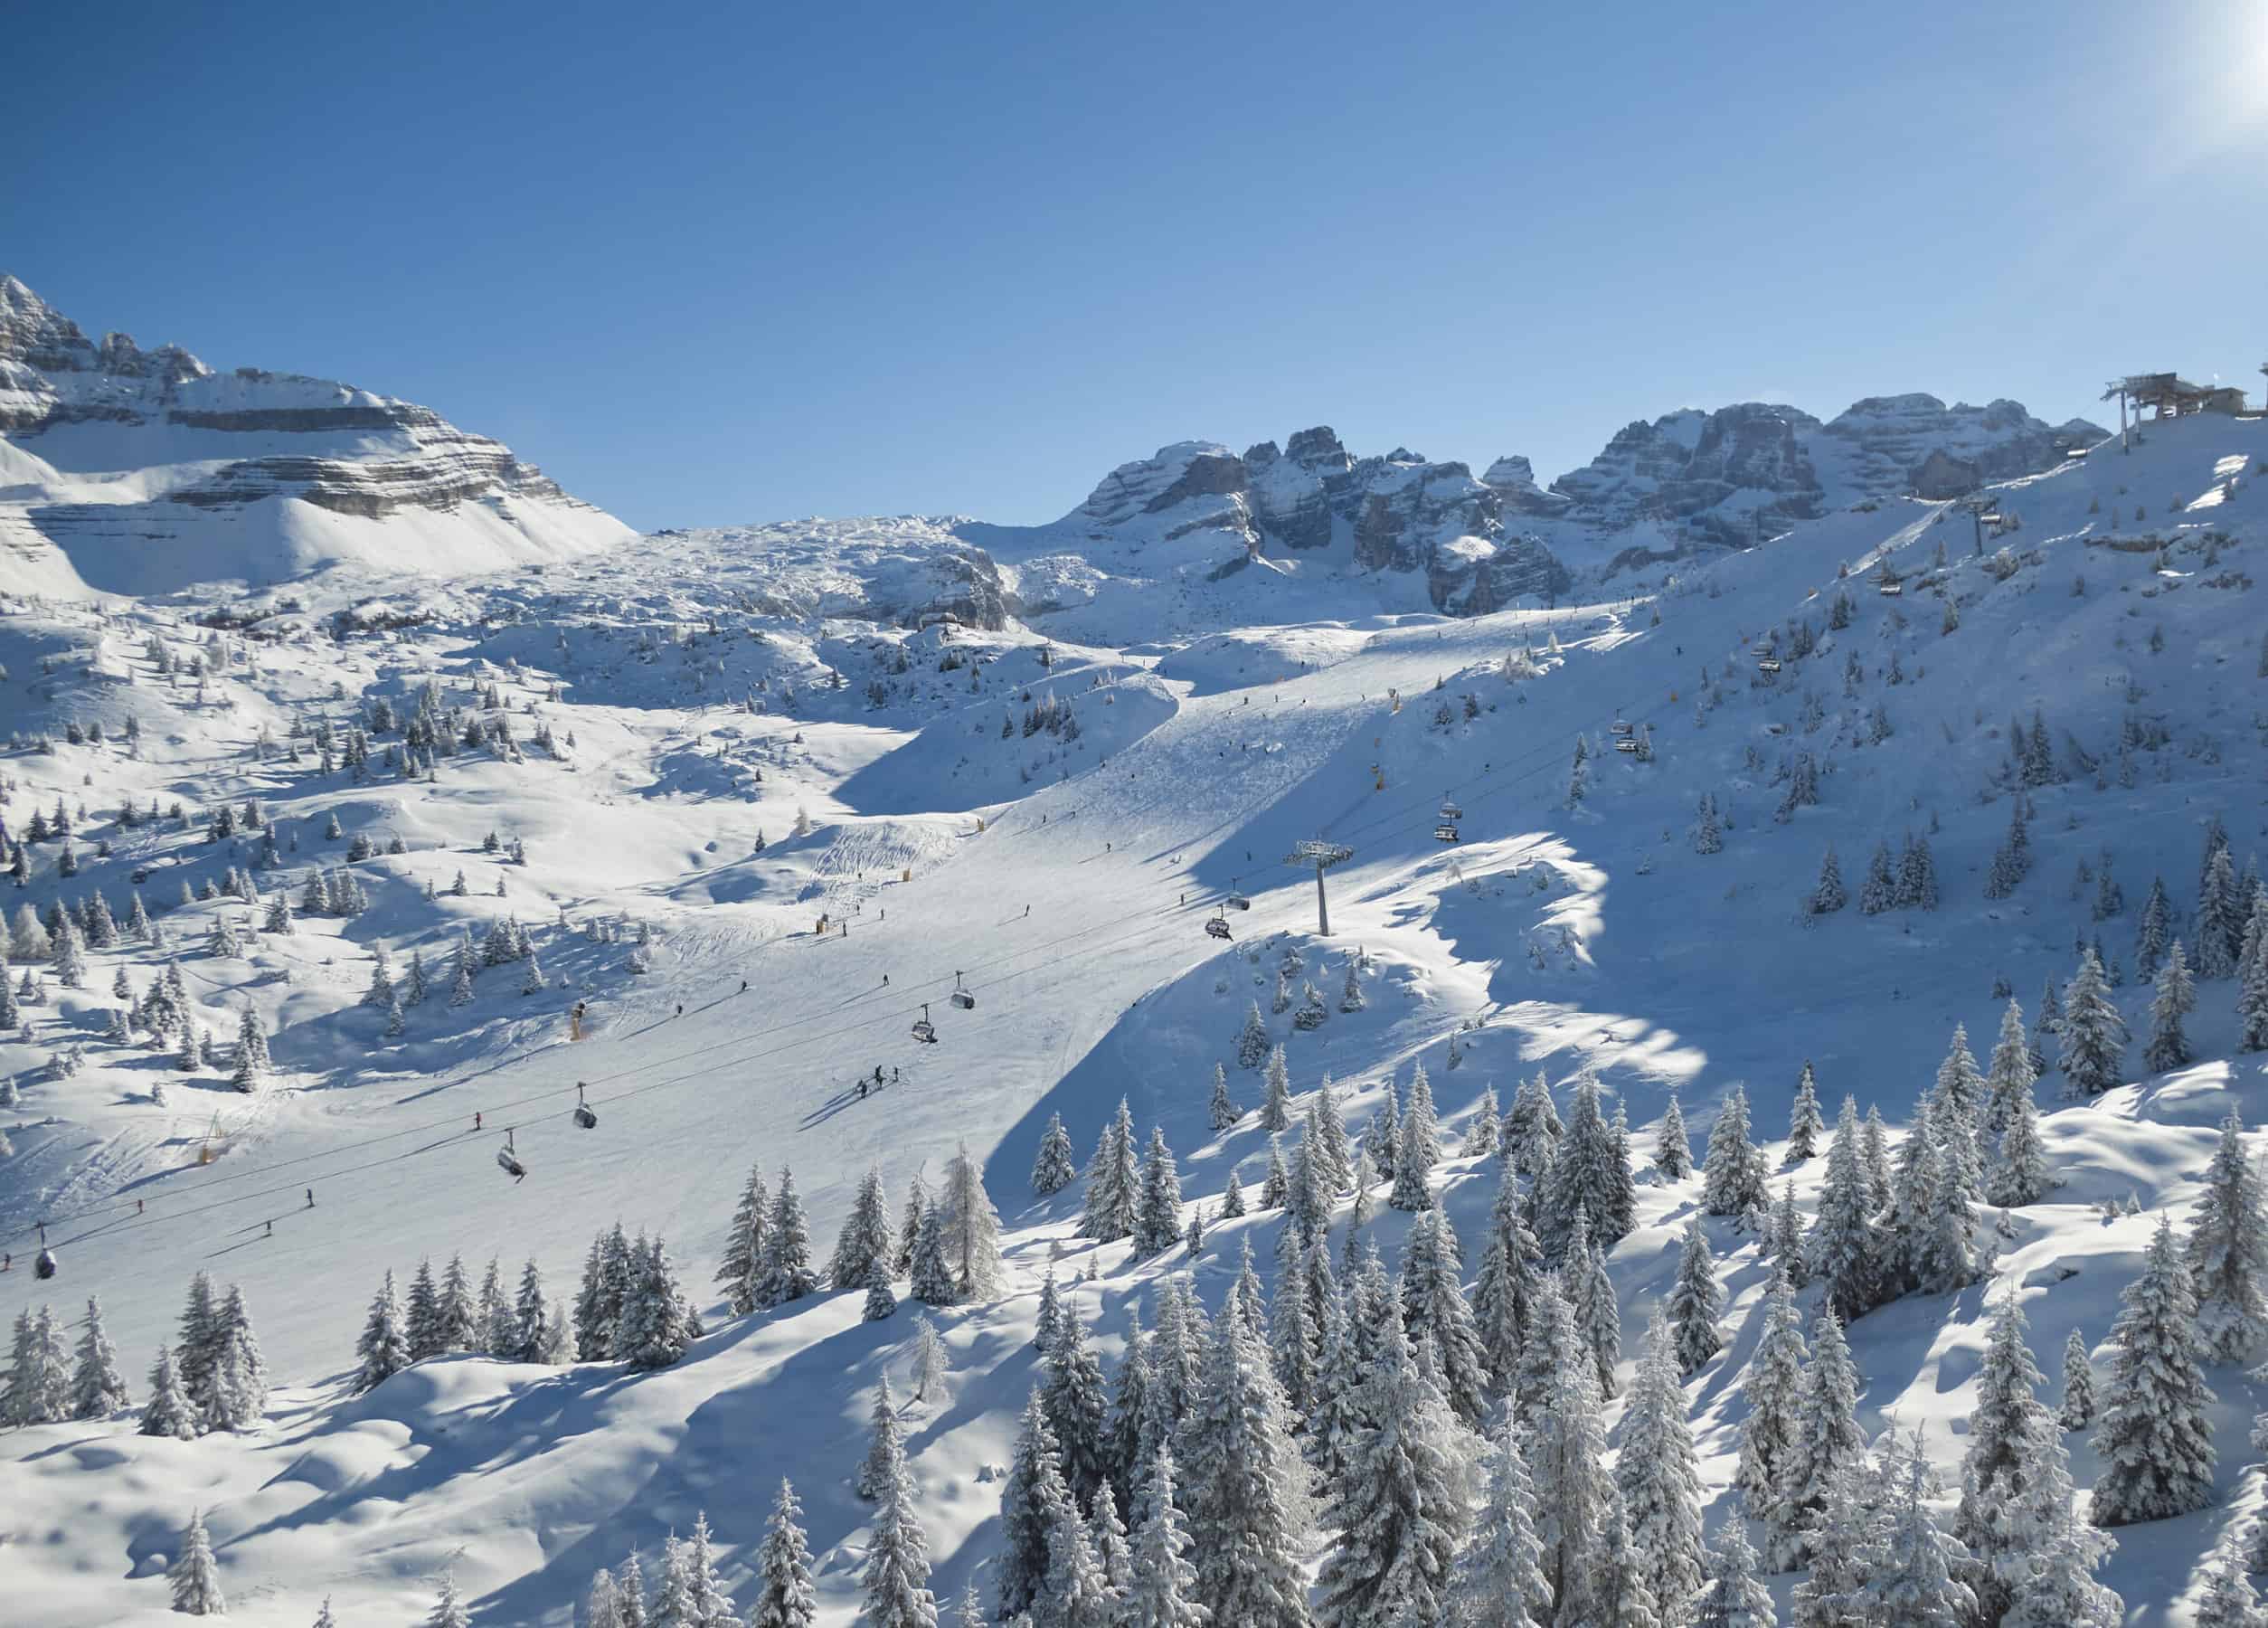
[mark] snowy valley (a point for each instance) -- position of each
(845, 979)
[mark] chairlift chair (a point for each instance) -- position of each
(1768, 664)
(1450, 810)
(1445, 832)
(1890, 588)
(1217, 926)
(44, 1266)
(923, 1030)
(508, 1159)
(1236, 900)
(1622, 727)
(585, 1115)
(962, 998)
(1626, 745)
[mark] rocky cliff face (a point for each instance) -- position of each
(138, 470)
(1745, 472)
(1398, 513)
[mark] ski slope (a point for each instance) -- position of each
(1067, 881)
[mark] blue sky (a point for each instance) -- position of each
(765, 262)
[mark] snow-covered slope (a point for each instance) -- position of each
(1063, 877)
(131, 471)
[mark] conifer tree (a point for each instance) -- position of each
(1077, 1406)
(1880, 890)
(169, 1411)
(2091, 1035)
(1733, 1180)
(1275, 1187)
(1696, 1302)
(864, 1247)
(195, 1576)
(739, 1273)
(1806, 1125)
(1221, 1109)
(2229, 1600)
(785, 1598)
(2221, 912)
(1827, 895)
(2153, 929)
(1658, 1472)
(2155, 1439)
(1231, 1197)
(1771, 1430)
(1417, 1148)
(2252, 979)
(896, 1582)
(1914, 1203)
(1243, 1483)
(96, 1389)
(930, 1273)
(1949, 1257)
(1057, 1167)
(1511, 1263)
(930, 1381)
(1497, 1581)
(1594, 1316)
(1112, 1187)
(884, 1446)
(530, 1317)
(2177, 997)
(383, 1349)
(2008, 1428)
(1157, 1202)
(1327, 1136)
(1293, 1338)
(1828, 1441)
(1732, 1595)
(1574, 1491)
(1673, 1149)
(1913, 1561)
(1874, 1148)
(1531, 1125)
(784, 1272)
(1590, 1177)
(38, 1387)
(455, 1318)
(1163, 1594)
(1251, 1042)
(1400, 1509)
(1275, 1102)
(1435, 1310)
(1035, 1482)
(2077, 1411)
(2227, 1253)
(972, 1229)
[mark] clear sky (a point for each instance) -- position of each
(727, 263)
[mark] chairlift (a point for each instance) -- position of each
(1626, 745)
(1445, 832)
(1890, 588)
(1768, 664)
(1450, 810)
(962, 998)
(1622, 727)
(923, 1030)
(1217, 926)
(44, 1266)
(585, 1115)
(1236, 900)
(1989, 518)
(508, 1159)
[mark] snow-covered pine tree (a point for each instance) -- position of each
(2221, 913)
(1164, 1588)
(1511, 1262)
(1949, 1255)
(1914, 1562)
(1027, 1499)
(2175, 998)
(931, 1274)
(38, 1390)
(1827, 895)
(1077, 1404)
(784, 1271)
(383, 1349)
(1731, 1595)
(97, 1387)
(2092, 1036)
(1418, 1148)
(2153, 929)
(786, 1596)
(896, 1581)
(972, 1229)
(1806, 1125)
(1772, 1427)
(2252, 979)
(1532, 1123)
(1733, 1181)
(1497, 1580)
(1696, 1302)
(1056, 1167)
(1914, 1203)
(456, 1315)
(2077, 1409)
(2155, 1438)
(2226, 1251)
(1880, 890)
(169, 1411)
(1221, 1109)
(1485, 1129)
(2008, 1428)
(1673, 1149)
(1252, 1041)
(1658, 1472)
(1275, 1102)
(884, 1446)
(1574, 1492)
(1244, 1483)
(1157, 1201)
(1827, 1442)
(530, 1317)
(1112, 1187)
(1434, 1310)
(868, 1243)
(1874, 1151)
(2229, 1600)
(195, 1575)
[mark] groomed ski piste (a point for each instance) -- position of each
(1065, 878)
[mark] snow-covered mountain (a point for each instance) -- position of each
(1048, 757)
(140, 471)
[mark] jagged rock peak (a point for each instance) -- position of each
(35, 334)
